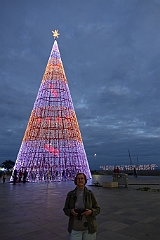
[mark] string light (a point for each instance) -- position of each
(52, 144)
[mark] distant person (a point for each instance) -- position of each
(135, 172)
(14, 176)
(25, 176)
(4, 177)
(33, 176)
(48, 176)
(63, 175)
(82, 208)
(117, 170)
(20, 176)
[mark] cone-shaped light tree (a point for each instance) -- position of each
(52, 146)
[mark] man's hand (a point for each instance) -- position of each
(74, 213)
(87, 212)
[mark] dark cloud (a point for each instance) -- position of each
(111, 55)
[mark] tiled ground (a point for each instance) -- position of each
(34, 210)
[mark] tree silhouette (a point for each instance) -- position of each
(8, 164)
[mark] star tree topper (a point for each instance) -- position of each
(55, 34)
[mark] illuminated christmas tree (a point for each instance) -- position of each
(52, 147)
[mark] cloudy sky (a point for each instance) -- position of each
(111, 55)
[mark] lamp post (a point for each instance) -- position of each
(95, 160)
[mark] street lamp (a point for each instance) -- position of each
(95, 160)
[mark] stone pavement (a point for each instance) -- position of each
(33, 211)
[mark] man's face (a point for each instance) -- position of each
(80, 181)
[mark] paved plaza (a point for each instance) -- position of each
(33, 211)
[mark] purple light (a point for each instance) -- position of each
(52, 144)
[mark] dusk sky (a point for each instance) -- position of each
(110, 50)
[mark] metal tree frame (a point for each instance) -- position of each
(52, 148)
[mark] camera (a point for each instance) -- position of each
(79, 211)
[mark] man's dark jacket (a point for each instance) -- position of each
(90, 203)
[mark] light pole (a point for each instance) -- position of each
(95, 160)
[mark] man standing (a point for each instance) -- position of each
(82, 208)
(4, 177)
(14, 176)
